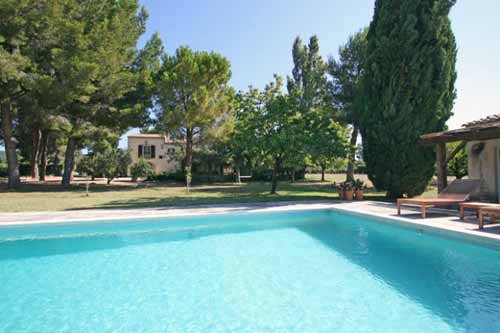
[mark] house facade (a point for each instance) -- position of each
(161, 151)
(481, 139)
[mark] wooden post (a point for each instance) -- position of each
(442, 173)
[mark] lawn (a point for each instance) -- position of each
(51, 197)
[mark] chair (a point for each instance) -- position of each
(458, 191)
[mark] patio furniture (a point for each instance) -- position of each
(472, 205)
(491, 211)
(457, 192)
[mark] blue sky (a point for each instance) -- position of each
(256, 36)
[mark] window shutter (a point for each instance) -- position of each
(153, 151)
(140, 151)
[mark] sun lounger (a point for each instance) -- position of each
(491, 211)
(472, 205)
(457, 192)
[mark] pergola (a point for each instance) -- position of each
(483, 129)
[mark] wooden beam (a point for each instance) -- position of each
(462, 134)
(455, 151)
(442, 172)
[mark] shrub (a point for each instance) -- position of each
(3, 169)
(141, 169)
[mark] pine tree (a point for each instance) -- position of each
(193, 93)
(347, 75)
(409, 90)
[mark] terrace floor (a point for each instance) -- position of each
(440, 220)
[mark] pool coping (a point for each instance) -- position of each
(440, 229)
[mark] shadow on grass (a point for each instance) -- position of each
(53, 187)
(171, 194)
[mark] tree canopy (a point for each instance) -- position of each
(347, 77)
(193, 93)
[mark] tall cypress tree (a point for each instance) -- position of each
(409, 91)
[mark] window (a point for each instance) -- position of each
(147, 151)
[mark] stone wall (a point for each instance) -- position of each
(483, 165)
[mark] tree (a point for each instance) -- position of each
(141, 168)
(273, 129)
(242, 150)
(347, 74)
(193, 93)
(409, 90)
(20, 27)
(309, 95)
(279, 129)
(112, 163)
(91, 66)
(141, 99)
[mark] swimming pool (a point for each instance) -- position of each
(299, 271)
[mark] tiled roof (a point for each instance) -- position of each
(146, 136)
(154, 136)
(490, 121)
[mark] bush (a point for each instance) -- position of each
(3, 169)
(141, 169)
(110, 163)
(458, 166)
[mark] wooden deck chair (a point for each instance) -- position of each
(458, 191)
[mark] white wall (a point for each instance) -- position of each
(483, 165)
(164, 161)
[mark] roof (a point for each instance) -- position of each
(483, 129)
(493, 120)
(157, 136)
(165, 138)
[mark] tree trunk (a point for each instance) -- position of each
(10, 142)
(352, 154)
(274, 180)
(188, 161)
(293, 175)
(43, 155)
(323, 173)
(237, 171)
(69, 162)
(442, 170)
(36, 136)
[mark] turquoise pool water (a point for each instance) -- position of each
(302, 271)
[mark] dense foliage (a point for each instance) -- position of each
(109, 163)
(277, 133)
(408, 91)
(141, 169)
(458, 165)
(69, 70)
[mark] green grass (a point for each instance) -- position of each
(46, 197)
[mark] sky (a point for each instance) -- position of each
(257, 35)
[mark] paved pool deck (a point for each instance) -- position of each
(437, 219)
